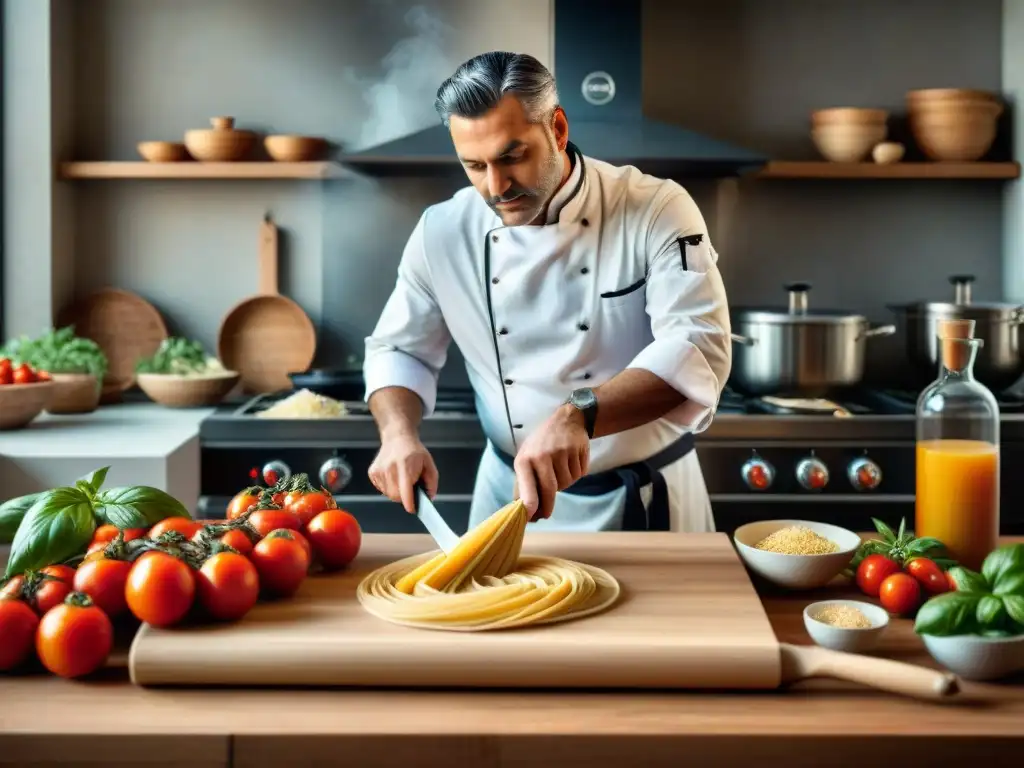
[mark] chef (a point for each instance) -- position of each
(587, 303)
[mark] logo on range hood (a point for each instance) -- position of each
(599, 68)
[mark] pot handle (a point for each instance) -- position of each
(882, 330)
(746, 341)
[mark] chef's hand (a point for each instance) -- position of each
(551, 459)
(401, 461)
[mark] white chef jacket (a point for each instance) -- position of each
(623, 275)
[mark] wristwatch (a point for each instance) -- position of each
(585, 401)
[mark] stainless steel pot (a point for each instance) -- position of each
(998, 365)
(797, 351)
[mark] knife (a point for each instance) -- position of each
(428, 515)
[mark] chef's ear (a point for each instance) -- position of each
(560, 125)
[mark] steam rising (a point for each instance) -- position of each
(402, 101)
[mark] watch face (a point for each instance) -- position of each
(583, 398)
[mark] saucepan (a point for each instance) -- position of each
(999, 364)
(798, 351)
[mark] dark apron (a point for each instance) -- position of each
(634, 476)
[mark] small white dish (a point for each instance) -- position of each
(850, 640)
(973, 657)
(795, 571)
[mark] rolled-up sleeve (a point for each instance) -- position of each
(410, 343)
(686, 301)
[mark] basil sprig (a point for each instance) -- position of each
(990, 603)
(58, 524)
(901, 547)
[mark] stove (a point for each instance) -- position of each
(843, 461)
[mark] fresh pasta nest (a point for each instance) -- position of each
(484, 583)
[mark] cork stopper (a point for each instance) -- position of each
(955, 354)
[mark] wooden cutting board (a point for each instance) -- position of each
(688, 617)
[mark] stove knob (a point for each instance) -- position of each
(275, 472)
(812, 474)
(864, 474)
(335, 474)
(758, 474)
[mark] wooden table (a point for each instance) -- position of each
(107, 721)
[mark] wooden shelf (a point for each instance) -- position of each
(782, 169)
(195, 170)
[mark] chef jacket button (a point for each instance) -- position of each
(584, 327)
(585, 223)
(494, 238)
(508, 382)
(586, 375)
(584, 270)
(494, 281)
(517, 426)
(503, 332)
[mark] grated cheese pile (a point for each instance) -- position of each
(797, 540)
(305, 405)
(845, 616)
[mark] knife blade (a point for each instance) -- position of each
(427, 513)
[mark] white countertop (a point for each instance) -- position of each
(123, 430)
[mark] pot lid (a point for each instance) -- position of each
(798, 311)
(962, 305)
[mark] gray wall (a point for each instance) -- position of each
(743, 70)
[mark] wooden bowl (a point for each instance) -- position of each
(849, 116)
(888, 152)
(221, 144)
(74, 393)
(954, 137)
(295, 149)
(176, 391)
(21, 403)
(938, 95)
(847, 143)
(162, 151)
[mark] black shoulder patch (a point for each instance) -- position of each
(685, 241)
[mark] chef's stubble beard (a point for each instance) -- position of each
(539, 196)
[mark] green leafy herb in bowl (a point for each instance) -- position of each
(181, 375)
(977, 631)
(77, 366)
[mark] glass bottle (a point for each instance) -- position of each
(957, 499)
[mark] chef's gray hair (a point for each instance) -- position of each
(480, 83)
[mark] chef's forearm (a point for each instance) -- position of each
(397, 411)
(631, 399)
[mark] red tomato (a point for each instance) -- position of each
(228, 586)
(900, 594)
(43, 376)
(872, 571)
(950, 581)
(160, 589)
(44, 588)
(107, 533)
(237, 540)
(183, 525)
(104, 580)
(282, 563)
(60, 571)
(931, 577)
(242, 501)
(75, 637)
(18, 625)
(6, 375)
(267, 520)
(308, 505)
(335, 536)
(24, 374)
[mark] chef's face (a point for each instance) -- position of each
(516, 165)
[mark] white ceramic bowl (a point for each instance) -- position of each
(795, 571)
(977, 658)
(846, 639)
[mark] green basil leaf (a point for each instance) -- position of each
(95, 479)
(926, 544)
(1003, 562)
(1014, 605)
(996, 633)
(903, 528)
(884, 530)
(951, 613)
(967, 580)
(137, 506)
(57, 526)
(1012, 584)
(991, 613)
(11, 514)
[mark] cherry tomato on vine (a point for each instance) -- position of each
(228, 586)
(160, 589)
(282, 563)
(75, 637)
(336, 537)
(104, 581)
(18, 623)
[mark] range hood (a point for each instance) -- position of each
(598, 67)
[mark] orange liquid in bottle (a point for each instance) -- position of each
(958, 497)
